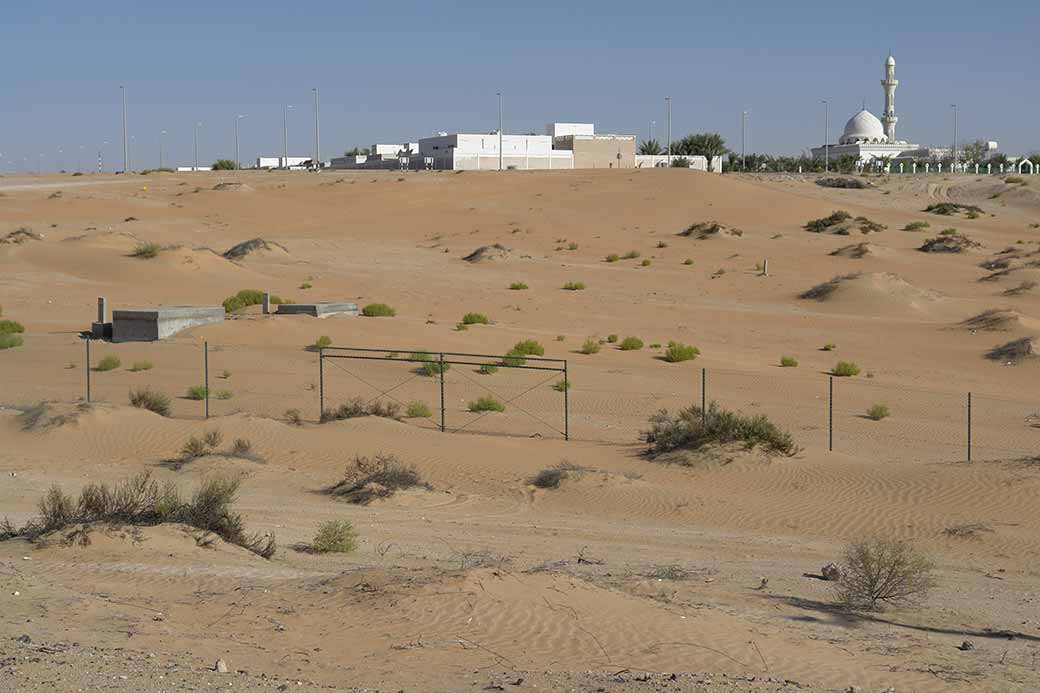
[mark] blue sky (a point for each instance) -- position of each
(391, 71)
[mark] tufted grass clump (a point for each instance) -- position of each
(613, 257)
(335, 536)
(693, 429)
(612, 339)
(876, 412)
(197, 392)
(322, 342)
(829, 346)
(631, 344)
(139, 366)
(788, 362)
(688, 261)
(152, 400)
(249, 297)
(428, 366)
(591, 346)
(417, 410)
(518, 286)
(10, 341)
(677, 352)
(562, 385)
(488, 369)
(108, 363)
(11, 327)
(845, 369)
(379, 476)
(146, 250)
(475, 319)
(574, 286)
(529, 347)
(225, 394)
(358, 407)
(645, 263)
(630, 255)
(378, 310)
(916, 226)
(486, 403)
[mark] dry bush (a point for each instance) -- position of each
(693, 428)
(380, 476)
(357, 407)
(152, 400)
(335, 536)
(552, 477)
(294, 417)
(853, 183)
(678, 352)
(879, 572)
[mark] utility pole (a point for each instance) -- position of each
(668, 101)
(126, 144)
(826, 135)
(954, 107)
(651, 138)
(285, 136)
(238, 159)
(79, 160)
(499, 130)
(161, 133)
(317, 139)
(197, 126)
(743, 138)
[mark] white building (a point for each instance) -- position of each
(292, 162)
(480, 152)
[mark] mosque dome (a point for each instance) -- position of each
(863, 128)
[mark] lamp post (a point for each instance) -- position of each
(198, 125)
(652, 123)
(79, 160)
(954, 107)
(285, 136)
(130, 152)
(668, 101)
(743, 138)
(499, 94)
(161, 133)
(826, 135)
(61, 159)
(317, 138)
(238, 159)
(126, 144)
(39, 164)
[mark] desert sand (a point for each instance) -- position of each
(632, 574)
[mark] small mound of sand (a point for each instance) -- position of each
(22, 235)
(848, 183)
(489, 253)
(710, 229)
(858, 251)
(1016, 352)
(233, 186)
(841, 223)
(870, 292)
(998, 320)
(255, 245)
(951, 243)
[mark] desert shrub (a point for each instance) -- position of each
(108, 363)
(693, 428)
(788, 362)
(591, 346)
(677, 351)
(645, 263)
(688, 261)
(357, 407)
(152, 400)
(916, 226)
(212, 438)
(1011, 180)
(948, 232)
(562, 385)
(141, 366)
(418, 410)
(879, 572)
(950, 208)
(146, 250)
(378, 310)
(249, 297)
(335, 536)
(845, 369)
(518, 286)
(613, 257)
(572, 246)
(11, 327)
(225, 394)
(461, 327)
(225, 374)
(428, 366)
(379, 476)
(574, 286)
(876, 412)
(655, 345)
(631, 344)
(306, 285)
(10, 341)
(486, 403)
(824, 223)
(241, 448)
(322, 342)
(294, 417)
(529, 347)
(854, 183)
(488, 369)
(552, 477)
(514, 358)
(630, 255)
(829, 346)
(197, 392)
(224, 165)
(612, 339)
(475, 319)
(662, 244)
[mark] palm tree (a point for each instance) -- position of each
(650, 147)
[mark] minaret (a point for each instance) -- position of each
(890, 83)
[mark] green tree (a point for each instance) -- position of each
(707, 144)
(973, 152)
(650, 147)
(356, 151)
(224, 165)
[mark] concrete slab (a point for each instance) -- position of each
(318, 310)
(151, 324)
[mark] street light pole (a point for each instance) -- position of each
(743, 138)
(285, 137)
(317, 139)
(238, 159)
(196, 133)
(826, 135)
(652, 122)
(668, 100)
(954, 107)
(161, 133)
(499, 130)
(126, 144)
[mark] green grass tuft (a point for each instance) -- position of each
(486, 403)
(197, 392)
(631, 344)
(475, 319)
(417, 410)
(574, 286)
(518, 286)
(693, 428)
(591, 346)
(845, 369)
(378, 310)
(152, 400)
(878, 411)
(788, 362)
(108, 363)
(139, 366)
(677, 352)
(335, 536)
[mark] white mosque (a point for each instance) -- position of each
(866, 137)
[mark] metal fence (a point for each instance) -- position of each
(541, 397)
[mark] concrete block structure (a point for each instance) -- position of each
(599, 151)
(318, 310)
(151, 324)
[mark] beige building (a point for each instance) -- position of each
(599, 151)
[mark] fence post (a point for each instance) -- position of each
(969, 427)
(321, 384)
(704, 396)
(205, 373)
(566, 404)
(830, 414)
(88, 369)
(442, 393)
